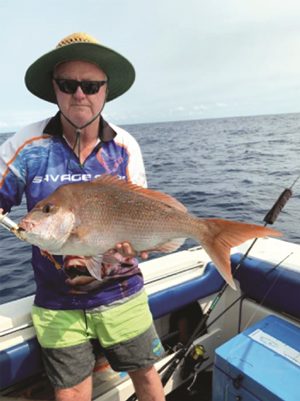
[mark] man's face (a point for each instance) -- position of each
(80, 107)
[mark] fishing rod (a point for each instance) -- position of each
(9, 224)
(183, 353)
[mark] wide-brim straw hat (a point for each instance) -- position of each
(80, 46)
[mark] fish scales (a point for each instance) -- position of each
(89, 218)
(133, 217)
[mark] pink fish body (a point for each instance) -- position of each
(89, 218)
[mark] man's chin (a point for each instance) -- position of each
(81, 116)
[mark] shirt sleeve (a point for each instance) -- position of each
(12, 174)
(136, 168)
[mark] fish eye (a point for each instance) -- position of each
(47, 208)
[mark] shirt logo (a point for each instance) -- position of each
(38, 179)
(157, 347)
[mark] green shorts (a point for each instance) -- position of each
(124, 330)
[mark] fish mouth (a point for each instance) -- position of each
(24, 228)
(19, 232)
(11, 226)
(25, 225)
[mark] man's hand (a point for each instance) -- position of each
(126, 250)
(79, 284)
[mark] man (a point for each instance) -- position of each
(80, 75)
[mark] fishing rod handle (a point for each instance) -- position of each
(169, 372)
(7, 223)
(273, 213)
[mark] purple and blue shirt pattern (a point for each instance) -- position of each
(37, 160)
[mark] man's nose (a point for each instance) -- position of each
(79, 94)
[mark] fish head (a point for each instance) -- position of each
(48, 225)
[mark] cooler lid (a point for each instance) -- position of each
(267, 355)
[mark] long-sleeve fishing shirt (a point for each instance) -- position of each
(37, 160)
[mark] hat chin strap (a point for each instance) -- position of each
(78, 129)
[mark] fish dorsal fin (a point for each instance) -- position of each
(107, 179)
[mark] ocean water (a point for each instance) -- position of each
(232, 168)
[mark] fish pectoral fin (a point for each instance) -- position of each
(169, 246)
(94, 265)
(112, 257)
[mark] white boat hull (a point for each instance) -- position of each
(173, 282)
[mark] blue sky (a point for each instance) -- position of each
(194, 58)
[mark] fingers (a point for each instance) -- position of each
(79, 280)
(126, 250)
(80, 284)
(144, 255)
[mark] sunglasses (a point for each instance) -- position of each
(70, 86)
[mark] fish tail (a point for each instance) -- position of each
(219, 236)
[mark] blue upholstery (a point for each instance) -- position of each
(24, 360)
(19, 362)
(166, 301)
(278, 287)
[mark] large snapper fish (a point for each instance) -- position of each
(89, 218)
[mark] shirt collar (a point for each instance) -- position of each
(54, 127)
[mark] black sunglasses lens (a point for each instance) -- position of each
(67, 85)
(70, 86)
(90, 87)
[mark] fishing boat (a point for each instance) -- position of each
(246, 342)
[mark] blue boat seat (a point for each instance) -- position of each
(20, 362)
(258, 279)
(174, 298)
(277, 286)
(24, 360)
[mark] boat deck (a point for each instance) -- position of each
(180, 284)
(203, 390)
